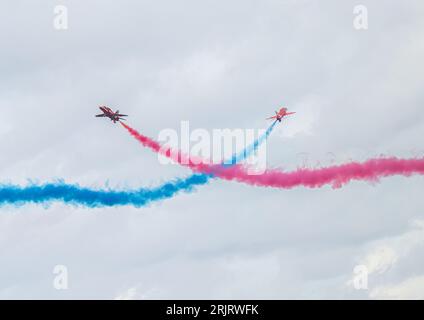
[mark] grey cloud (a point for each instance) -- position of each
(217, 65)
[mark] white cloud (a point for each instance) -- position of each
(388, 254)
(412, 288)
(129, 294)
(380, 259)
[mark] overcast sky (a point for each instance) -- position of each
(217, 64)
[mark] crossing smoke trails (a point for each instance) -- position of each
(195, 163)
(93, 198)
(336, 176)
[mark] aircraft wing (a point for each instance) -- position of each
(274, 117)
(100, 115)
(121, 115)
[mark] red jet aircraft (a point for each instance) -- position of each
(113, 116)
(279, 115)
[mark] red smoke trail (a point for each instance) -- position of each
(194, 163)
(370, 170)
(337, 176)
(145, 141)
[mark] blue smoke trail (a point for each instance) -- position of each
(76, 195)
(249, 150)
(93, 198)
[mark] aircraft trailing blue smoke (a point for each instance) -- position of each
(74, 194)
